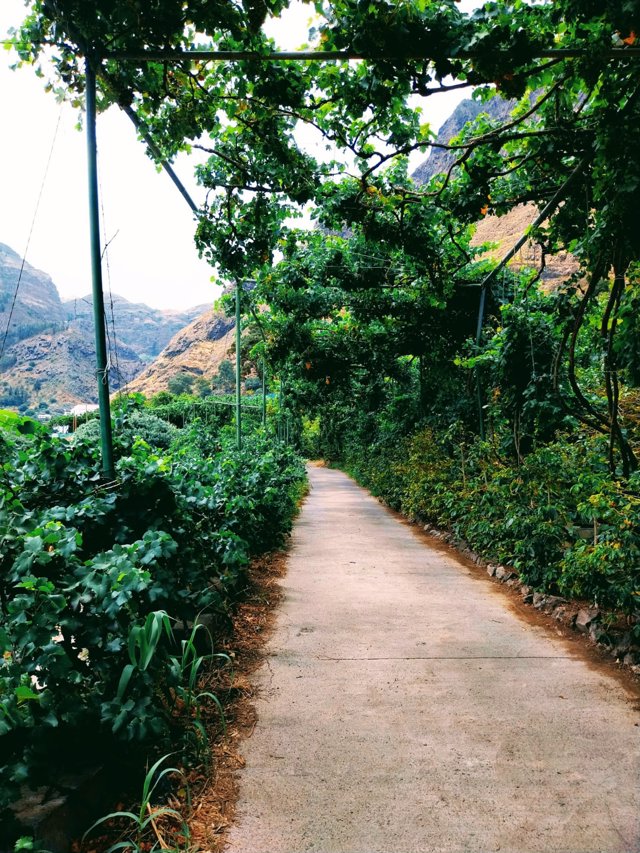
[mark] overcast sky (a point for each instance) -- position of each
(152, 257)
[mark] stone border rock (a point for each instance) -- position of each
(610, 632)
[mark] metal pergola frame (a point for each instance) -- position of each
(178, 56)
(173, 55)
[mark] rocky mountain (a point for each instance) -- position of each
(54, 371)
(196, 351)
(503, 231)
(48, 362)
(38, 307)
(146, 331)
(439, 159)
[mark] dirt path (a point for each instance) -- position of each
(405, 707)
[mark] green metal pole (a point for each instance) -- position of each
(483, 299)
(421, 390)
(264, 393)
(106, 438)
(238, 399)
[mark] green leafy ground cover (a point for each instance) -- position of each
(12, 422)
(95, 579)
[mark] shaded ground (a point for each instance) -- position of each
(404, 706)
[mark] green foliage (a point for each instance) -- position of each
(92, 581)
(516, 365)
(181, 383)
(225, 379)
(11, 422)
(13, 395)
(370, 320)
(162, 398)
(310, 445)
(139, 823)
(216, 412)
(27, 843)
(183, 675)
(131, 425)
(572, 137)
(627, 341)
(202, 387)
(72, 421)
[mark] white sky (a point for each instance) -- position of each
(153, 257)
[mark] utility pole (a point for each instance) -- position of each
(102, 373)
(481, 307)
(238, 366)
(281, 409)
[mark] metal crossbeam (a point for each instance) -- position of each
(151, 55)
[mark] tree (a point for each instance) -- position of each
(181, 383)
(202, 387)
(252, 383)
(225, 379)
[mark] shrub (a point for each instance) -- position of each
(88, 573)
(129, 427)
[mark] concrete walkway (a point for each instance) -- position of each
(404, 707)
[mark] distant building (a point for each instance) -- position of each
(82, 409)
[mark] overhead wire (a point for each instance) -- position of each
(112, 347)
(33, 222)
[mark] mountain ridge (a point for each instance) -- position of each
(501, 232)
(48, 359)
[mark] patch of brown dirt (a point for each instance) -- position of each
(214, 800)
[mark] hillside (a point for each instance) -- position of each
(195, 351)
(503, 231)
(145, 330)
(55, 371)
(49, 357)
(439, 160)
(38, 307)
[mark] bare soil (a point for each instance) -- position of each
(215, 801)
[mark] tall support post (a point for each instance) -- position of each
(483, 299)
(238, 366)
(264, 393)
(102, 375)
